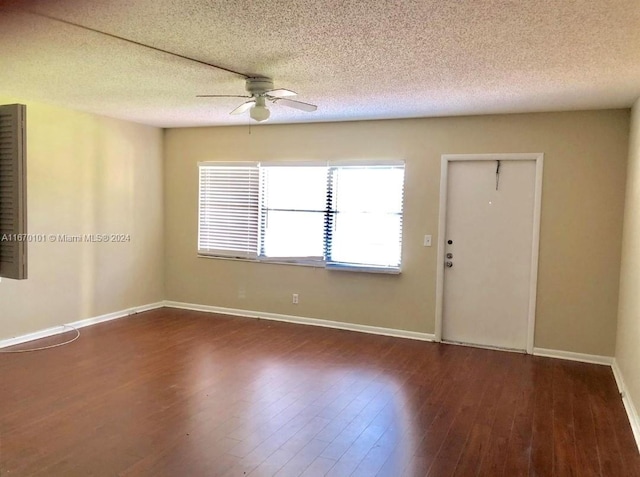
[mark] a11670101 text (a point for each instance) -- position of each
(66, 238)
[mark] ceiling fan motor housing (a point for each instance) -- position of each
(259, 85)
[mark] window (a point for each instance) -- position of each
(293, 211)
(341, 216)
(13, 195)
(365, 224)
(229, 210)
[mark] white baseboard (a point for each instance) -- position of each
(56, 330)
(414, 335)
(571, 356)
(632, 413)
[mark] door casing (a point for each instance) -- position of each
(535, 243)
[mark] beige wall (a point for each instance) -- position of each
(87, 174)
(628, 343)
(583, 197)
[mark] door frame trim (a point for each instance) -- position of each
(538, 157)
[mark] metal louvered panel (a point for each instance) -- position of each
(13, 219)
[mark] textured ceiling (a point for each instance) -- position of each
(355, 60)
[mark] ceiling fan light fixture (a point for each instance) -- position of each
(259, 111)
(260, 89)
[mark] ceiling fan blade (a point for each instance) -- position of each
(296, 104)
(244, 107)
(221, 96)
(281, 93)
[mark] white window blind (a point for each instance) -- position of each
(365, 225)
(229, 209)
(293, 210)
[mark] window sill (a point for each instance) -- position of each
(363, 269)
(273, 262)
(313, 264)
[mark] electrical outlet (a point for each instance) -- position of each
(294, 299)
(242, 293)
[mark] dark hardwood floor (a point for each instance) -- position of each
(178, 393)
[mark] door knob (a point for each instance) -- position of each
(448, 264)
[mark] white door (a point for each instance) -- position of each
(488, 246)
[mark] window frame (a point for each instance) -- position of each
(290, 259)
(354, 266)
(319, 262)
(239, 253)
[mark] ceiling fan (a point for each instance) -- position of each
(261, 90)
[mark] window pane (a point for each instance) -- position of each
(369, 189)
(294, 234)
(366, 239)
(293, 205)
(296, 187)
(367, 224)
